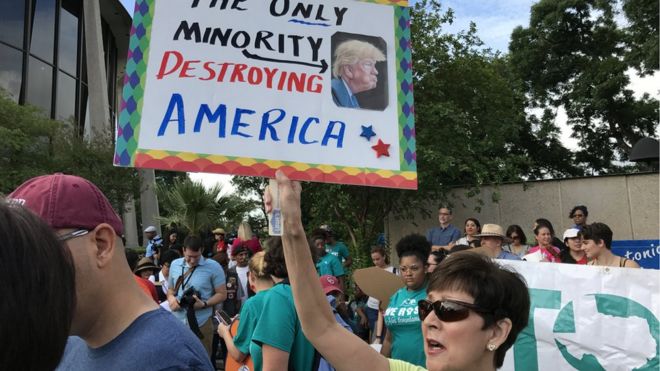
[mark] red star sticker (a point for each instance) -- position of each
(381, 149)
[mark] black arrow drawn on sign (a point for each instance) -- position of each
(323, 66)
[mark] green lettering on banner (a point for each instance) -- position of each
(525, 355)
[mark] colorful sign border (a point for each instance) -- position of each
(128, 153)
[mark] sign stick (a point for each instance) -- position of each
(275, 214)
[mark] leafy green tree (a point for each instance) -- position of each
(574, 54)
(25, 137)
(191, 206)
(32, 145)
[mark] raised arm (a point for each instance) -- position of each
(223, 331)
(342, 349)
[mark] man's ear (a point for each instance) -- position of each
(347, 71)
(105, 239)
(501, 330)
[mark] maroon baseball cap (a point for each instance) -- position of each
(67, 201)
(330, 284)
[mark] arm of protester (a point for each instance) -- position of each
(171, 300)
(339, 347)
(364, 321)
(386, 350)
(378, 328)
(274, 359)
(442, 247)
(219, 296)
(348, 261)
(237, 355)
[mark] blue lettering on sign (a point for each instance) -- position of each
(311, 131)
(645, 252)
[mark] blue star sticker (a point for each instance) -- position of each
(368, 132)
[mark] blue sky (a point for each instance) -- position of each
(495, 19)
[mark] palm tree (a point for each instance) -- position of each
(191, 206)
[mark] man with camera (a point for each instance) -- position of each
(195, 285)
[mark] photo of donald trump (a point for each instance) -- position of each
(354, 71)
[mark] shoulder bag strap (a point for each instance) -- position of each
(179, 280)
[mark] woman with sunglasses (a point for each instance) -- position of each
(518, 245)
(403, 339)
(474, 312)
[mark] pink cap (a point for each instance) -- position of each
(330, 284)
(67, 201)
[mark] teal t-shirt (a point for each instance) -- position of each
(279, 327)
(402, 320)
(339, 249)
(330, 264)
(250, 313)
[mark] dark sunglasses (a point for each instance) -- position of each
(448, 310)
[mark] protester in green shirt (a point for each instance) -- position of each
(278, 331)
(336, 248)
(328, 264)
(404, 339)
(472, 315)
(241, 345)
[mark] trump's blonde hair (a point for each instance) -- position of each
(351, 51)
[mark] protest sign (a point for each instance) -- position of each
(588, 318)
(645, 252)
(320, 89)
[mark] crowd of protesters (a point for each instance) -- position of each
(582, 243)
(200, 303)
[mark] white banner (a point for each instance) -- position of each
(588, 318)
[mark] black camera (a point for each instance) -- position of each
(187, 299)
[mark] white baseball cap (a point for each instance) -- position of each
(571, 233)
(150, 228)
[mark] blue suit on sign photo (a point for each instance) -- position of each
(342, 96)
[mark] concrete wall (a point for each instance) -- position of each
(628, 204)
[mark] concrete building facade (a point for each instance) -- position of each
(629, 204)
(67, 57)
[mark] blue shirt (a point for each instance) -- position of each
(154, 341)
(205, 278)
(506, 255)
(157, 240)
(443, 236)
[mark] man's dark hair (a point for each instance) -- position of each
(581, 208)
(414, 245)
(319, 233)
(598, 232)
(443, 206)
(169, 256)
(37, 281)
(193, 243)
(496, 289)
